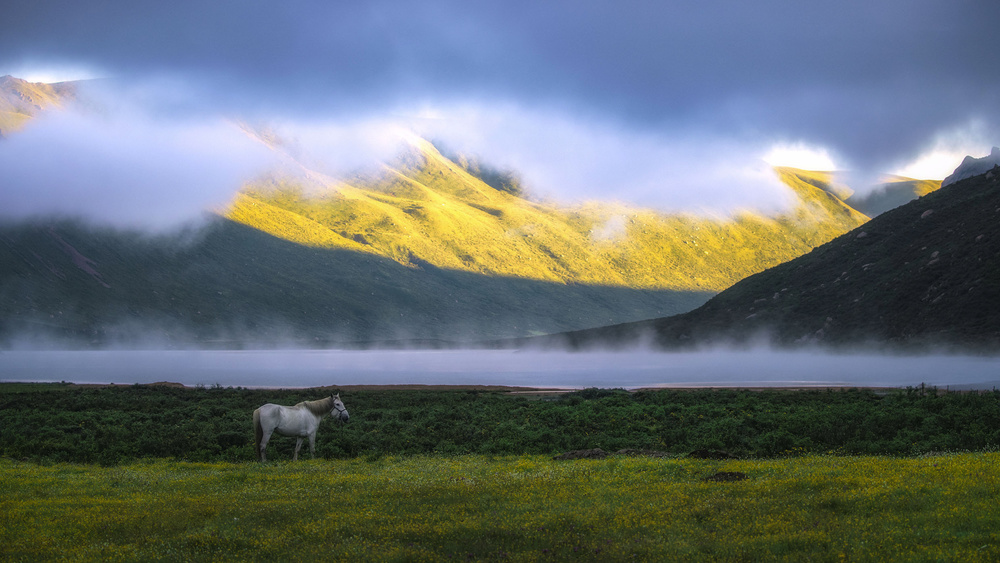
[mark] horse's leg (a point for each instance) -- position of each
(312, 445)
(258, 431)
(263, 444)
(298, 444)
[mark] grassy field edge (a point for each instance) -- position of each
(413, 508)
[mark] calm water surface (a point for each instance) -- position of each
(311, 368)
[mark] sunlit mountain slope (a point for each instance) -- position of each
(427, 209)
(21, 100)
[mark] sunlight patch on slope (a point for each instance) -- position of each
(423, 209)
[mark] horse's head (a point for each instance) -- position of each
(339, 410)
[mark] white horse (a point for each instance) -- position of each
(300, 421)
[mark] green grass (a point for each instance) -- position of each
(522, 508)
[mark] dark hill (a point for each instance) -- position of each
(229, 285)
(924, 274)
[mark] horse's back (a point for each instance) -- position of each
(267, 408)
(268, 415)
(287, 421)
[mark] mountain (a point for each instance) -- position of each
(21, 100)
(922, 276)
(279, 270)
(972, 166)
(424, 248)
(425, 208)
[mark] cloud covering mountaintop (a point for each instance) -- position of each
(632, 100)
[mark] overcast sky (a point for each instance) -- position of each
(654, 102)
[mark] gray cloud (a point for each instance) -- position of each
(876, 83)
(127, 169)
(575, 158)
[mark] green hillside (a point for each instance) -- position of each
(922, 276)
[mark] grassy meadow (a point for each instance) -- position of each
(151, 473)
(518, 508)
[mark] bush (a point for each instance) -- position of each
(118, 424)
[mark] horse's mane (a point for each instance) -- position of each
(319, 406)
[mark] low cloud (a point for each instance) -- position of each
(945, 151)
(573, 158)
(335, 147)
(126, 158)
(127, 169)
(873, 82)
(130, 161)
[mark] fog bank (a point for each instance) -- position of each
(630, 370)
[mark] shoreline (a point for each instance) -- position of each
(511, 389)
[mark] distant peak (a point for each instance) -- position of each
(972, 166)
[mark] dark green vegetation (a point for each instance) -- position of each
(228, 284)
(924, 274)
(63, 423)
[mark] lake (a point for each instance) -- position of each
(630, 370)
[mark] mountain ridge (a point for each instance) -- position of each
(921, 277)
(972, 166)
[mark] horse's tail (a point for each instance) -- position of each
(258, 431)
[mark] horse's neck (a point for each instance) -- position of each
(319, 408)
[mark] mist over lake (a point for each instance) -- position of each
(630, 370)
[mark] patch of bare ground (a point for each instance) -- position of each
(727, 476)
(710, 454)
